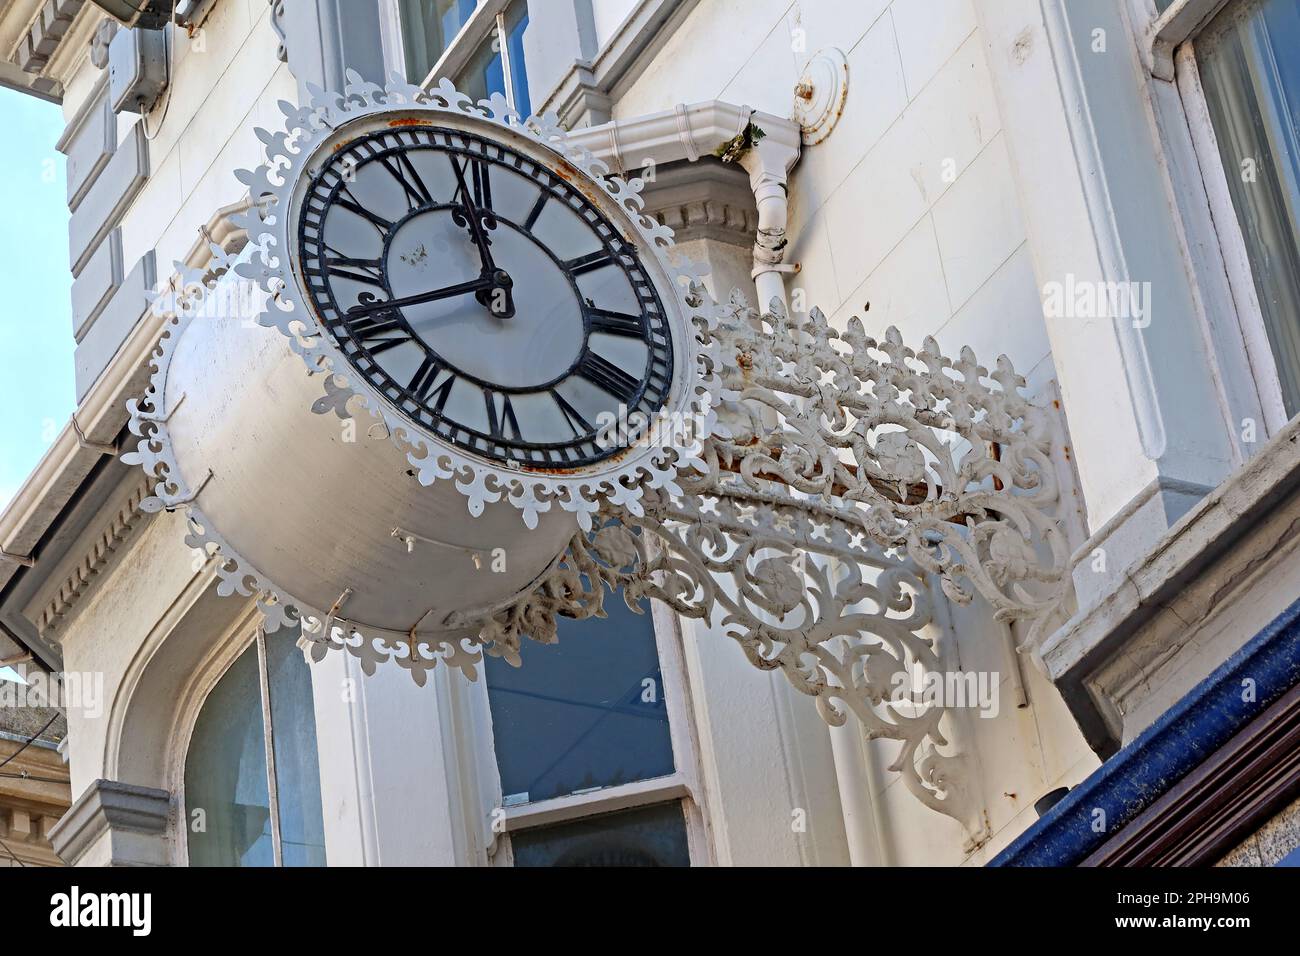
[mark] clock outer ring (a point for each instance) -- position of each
(310, 183)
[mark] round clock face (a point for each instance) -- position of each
(484, 294)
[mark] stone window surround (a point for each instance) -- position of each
(54, 33)
(683, 786)
(1166, 42)
(1081, 652)
(585, 91)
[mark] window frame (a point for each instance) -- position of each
(682, 786)
(248, 632)
(487, 16)
(1168, 45)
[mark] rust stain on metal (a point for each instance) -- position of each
(408, 121)
(564, 472)
(593, 192)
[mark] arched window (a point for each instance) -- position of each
(252, 782)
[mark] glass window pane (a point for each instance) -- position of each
(297, 773)
(516, 24)
(225, 774)
(585, 713)
(427, 27)
(483, 75)
(650, 836)
(1251, 76)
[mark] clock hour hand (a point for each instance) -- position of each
(367, 302)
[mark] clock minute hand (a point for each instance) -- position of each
(461, 288)
(497, 297)
(473, 221)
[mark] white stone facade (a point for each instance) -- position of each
(985, 151)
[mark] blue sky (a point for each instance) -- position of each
(36, 387)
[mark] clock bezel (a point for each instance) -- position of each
(672, 444)
(653, 386)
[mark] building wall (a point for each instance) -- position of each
(935, 205)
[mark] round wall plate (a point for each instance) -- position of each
(820, 95)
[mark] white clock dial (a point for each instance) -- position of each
(484, 295)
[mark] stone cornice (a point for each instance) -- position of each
(47, 44)
(703, 200)
(1223, 531)
(84, 570)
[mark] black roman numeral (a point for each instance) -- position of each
(535, 213)
(475, 172)
(577, 424)
(349, 202)
(403, 170)
(374, 324)
(615, 323)
(423, 378)
(372, 332)
(369, 271)
(605, 374)
(590, 262)
(426, 384)
(504, 427)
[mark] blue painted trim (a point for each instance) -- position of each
(1181, 740)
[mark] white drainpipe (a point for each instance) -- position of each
(769, 168)
(629, 146)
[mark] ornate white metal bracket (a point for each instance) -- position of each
(854, 469)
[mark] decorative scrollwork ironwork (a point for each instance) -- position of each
(849, 470)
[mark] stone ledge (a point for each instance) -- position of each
(113, 810)
(1219, 533)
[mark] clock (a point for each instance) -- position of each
(484, 294)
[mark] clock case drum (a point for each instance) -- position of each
(325, 500)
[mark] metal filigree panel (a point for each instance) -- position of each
(850, 470)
